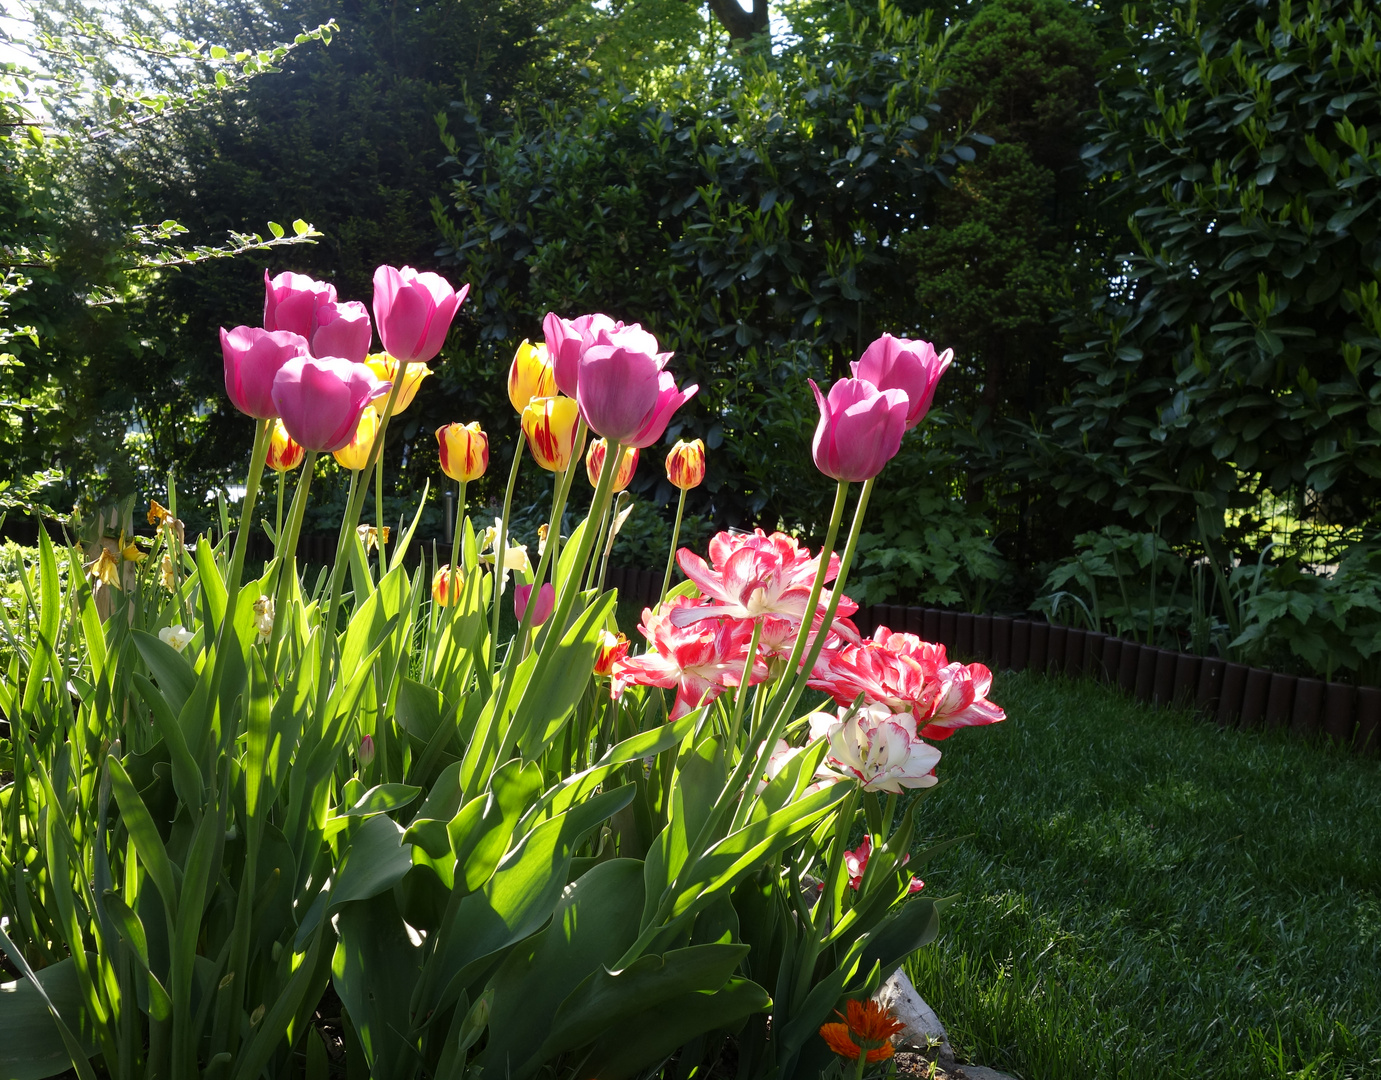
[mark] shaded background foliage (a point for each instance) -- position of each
(1148, 236)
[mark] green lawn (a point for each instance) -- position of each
(1148, 896)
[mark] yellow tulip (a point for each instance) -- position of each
(386, 367)
(549, 424)
(464, 451)
(355, 453)
(531, 376)
(594, 464)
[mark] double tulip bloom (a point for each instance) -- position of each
(307, 307)
(464, 451)
(615, 373)
(320, 400)
(594, 464)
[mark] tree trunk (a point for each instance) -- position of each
(741, 24)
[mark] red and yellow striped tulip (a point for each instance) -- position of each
(531, 375)
(594, 464)
(686, 464)
(464, 451)
(283, 454)
(549, 424)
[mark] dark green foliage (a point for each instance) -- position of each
(1147, 896)
(751, 218)
(1005, 247)
(1236, 349)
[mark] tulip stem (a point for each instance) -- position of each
(287, 545)
(609, 541)
(278, 520)
(246, 524)
(501, 545)
(563, 601)
(379, 510)
(455, 543)
(742, 695)
(671, 555)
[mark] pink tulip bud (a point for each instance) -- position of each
(320, 399)
(860, 429)
(546, 602)
(366, 753)
(910, 366)
(414, 311)
(253, 358)
(625, 395)
(308, 307)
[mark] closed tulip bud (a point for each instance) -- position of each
(549, 424)
(355, 453)
(283, 454)
(912, 367)
(446, 586)
(686, 464)
(594, 464)
(366, 753)
(542, 606)
(386, 368)
(253, 359)
(414, 311)
(860, 429)
(321, 399)
(308, 307)
(625, 395)
(531, 375)
(464, 451)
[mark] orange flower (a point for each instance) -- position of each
(594, 464)
(867, 1029)
(446, 586)
(686, 464)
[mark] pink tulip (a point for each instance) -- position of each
(252, 359)
(860, 429)
(320, 399)
(567, 340)
(413, 312)
(308, 307)
(910, 366)
(625, 395)
(546, 602)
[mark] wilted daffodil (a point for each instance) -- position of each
(158, 513)
(166, 577)
(129, 551)
(386, 368)
(105, 568)
(263, 617)
(369, 536)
